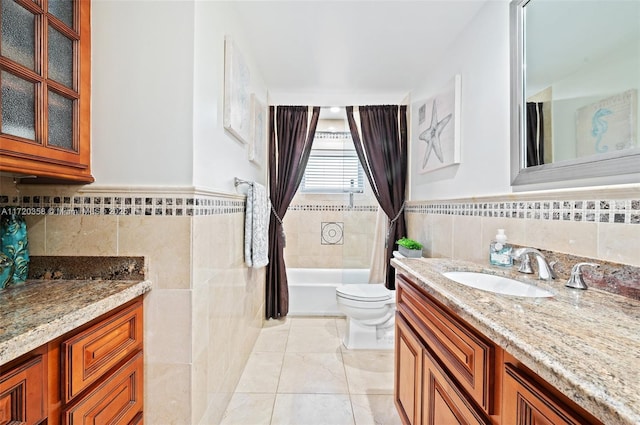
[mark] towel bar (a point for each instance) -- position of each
(237, 182)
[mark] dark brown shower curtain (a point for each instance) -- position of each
(290, 138)
(382, 150)
(535, 134)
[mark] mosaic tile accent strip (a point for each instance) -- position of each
(339, 208)
(120, 205)
(333, 135)
(602, 211)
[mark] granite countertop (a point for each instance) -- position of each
(44, 308)
(585, 343)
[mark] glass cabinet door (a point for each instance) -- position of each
(44, 70)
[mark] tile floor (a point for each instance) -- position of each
(299, 373)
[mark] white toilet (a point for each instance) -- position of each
(370, 311)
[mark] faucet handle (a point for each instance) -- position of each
(552, 271)
(525, 264)
(576, 281)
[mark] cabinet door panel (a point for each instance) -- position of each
(443, 402)
(408, 373)
(138, 420)
(22, 393)
(116, 401)
(90, 354)
(525, 402)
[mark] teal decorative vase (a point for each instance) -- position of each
(6, 270)
(14, 244)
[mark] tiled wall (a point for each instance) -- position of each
(205, 309)
(600, 225)
(311, 224)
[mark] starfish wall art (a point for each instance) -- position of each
(436, 129)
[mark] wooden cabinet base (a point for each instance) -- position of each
(91, 375)
(461, 377)
(23, 393)
(528, 401)
(443, 401)
(408, 376)
(116, 401)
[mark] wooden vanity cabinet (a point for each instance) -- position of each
(425, 394)
(102, 370)
(446, 372)
(528, 400)
(23, 390)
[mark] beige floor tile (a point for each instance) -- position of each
(261, 374)
(313, 339)
(272, 340)
(374, 409)
(297, 322)
(249, 409)
(341, 325)
(277, 323)
(313, 373)
(318, 382)
(312, 409)
(369, 372)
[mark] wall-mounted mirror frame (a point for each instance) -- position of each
(612, 168)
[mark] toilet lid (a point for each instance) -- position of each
(364, 292)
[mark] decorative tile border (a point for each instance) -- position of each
(338, 208)
(601, 211)
(333, 135)
(619, 211)
(121, 204)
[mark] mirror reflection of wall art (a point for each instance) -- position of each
(608, 125)
(436, 128)
(257, 143)
(237, 103)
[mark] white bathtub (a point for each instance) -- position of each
(312, 292)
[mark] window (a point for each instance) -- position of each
(333, 170)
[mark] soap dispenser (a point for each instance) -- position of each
(500, 251)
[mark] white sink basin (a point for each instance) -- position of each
(497, 284)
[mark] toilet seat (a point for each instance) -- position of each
(364, 292)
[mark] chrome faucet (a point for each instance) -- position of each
(545, 270)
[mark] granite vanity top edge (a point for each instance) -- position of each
(46, 331)
(617, 402)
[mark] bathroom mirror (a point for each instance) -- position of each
(575, 77)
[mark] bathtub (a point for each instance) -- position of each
(312, 292)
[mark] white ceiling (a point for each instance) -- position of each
(344, 48)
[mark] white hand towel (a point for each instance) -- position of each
(256, 227)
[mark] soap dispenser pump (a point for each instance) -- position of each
(500, 251)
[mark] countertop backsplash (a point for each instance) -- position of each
(620, 279)
(87, 267)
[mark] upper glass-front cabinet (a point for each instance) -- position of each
(45, 65)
